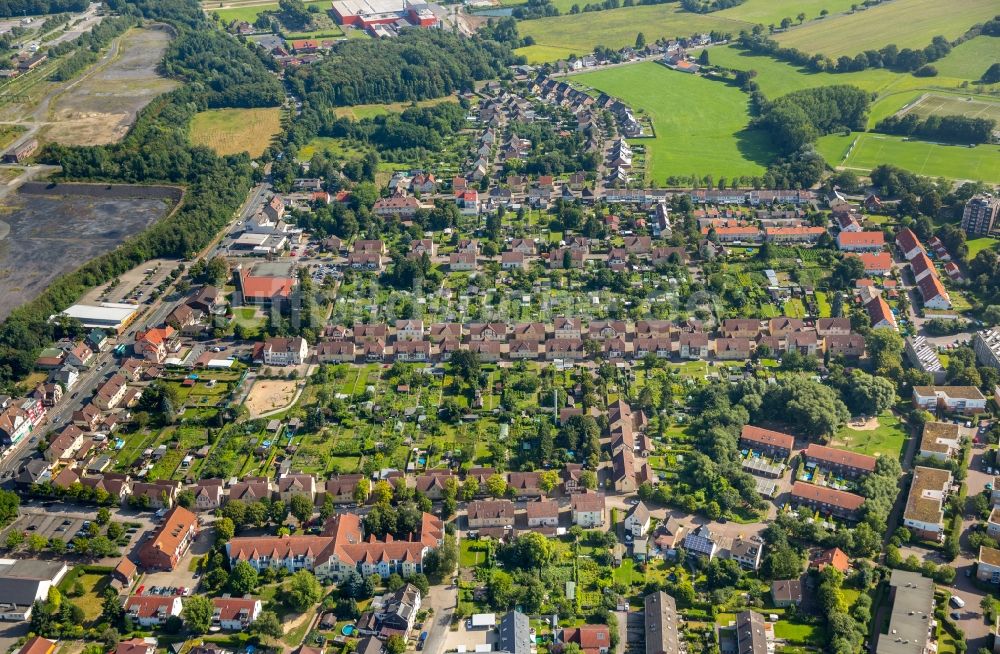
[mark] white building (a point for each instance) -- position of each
(285, 351)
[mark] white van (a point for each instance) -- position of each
(957, 601)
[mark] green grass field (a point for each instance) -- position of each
(249, 14)
(955, 105)
(894, 90)
(977, 245)
(981, 163)
(561, 36)
(970, 60)
(701, 125)
(888, 438)
(766, 12)
(907, 23)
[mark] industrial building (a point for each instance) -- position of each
(112, 316)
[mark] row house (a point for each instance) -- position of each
(860, 241)
(774, 443)
(954, 399)
(843, 462)
(827, 500)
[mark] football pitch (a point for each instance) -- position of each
(865, 151)
(954, 105)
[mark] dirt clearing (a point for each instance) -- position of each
(270, 395)
(100, 107)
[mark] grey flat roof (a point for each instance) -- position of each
(912, 611)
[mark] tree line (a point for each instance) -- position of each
(708, 6)
(34, 7)
(952, 129)
(890, 56)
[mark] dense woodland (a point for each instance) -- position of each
(799, 118)
(155, 150)
(420, 64)
(35, 7)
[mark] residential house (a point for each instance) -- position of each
(170, 541)
(285, 351)
(860, 241)
(952, 399)
(542, 513)
(827, 500)
(637, 520)
(786, 592)
(152, 610)
(924, 512)
(774, 443)
(940, 441)
(747, 552)
(701, 542)
(490, 513)
(235, 613)
(841, 462)
(588, 509)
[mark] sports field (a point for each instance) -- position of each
(955, 105)
(561, 36)
(701, 125)
(981, 163)
(231, 131)
(970, 60)
(907, 23)
(766, 12)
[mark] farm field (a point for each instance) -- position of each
(922, 157)
(766, 12)
(560, 36)
(361, 111)
(914, 23)
(701, 125)
(101, 106)
(955, 105)
(231, 131)
(970, 59)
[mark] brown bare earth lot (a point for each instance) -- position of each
(100, 107)
(48, 230)
(269, 395)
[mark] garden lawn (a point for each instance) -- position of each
(231, 131)
(701, 125)
(93, 586)
(906, 23)
(560, 36)
(977, 245)
(888, 438)
(957, 162)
